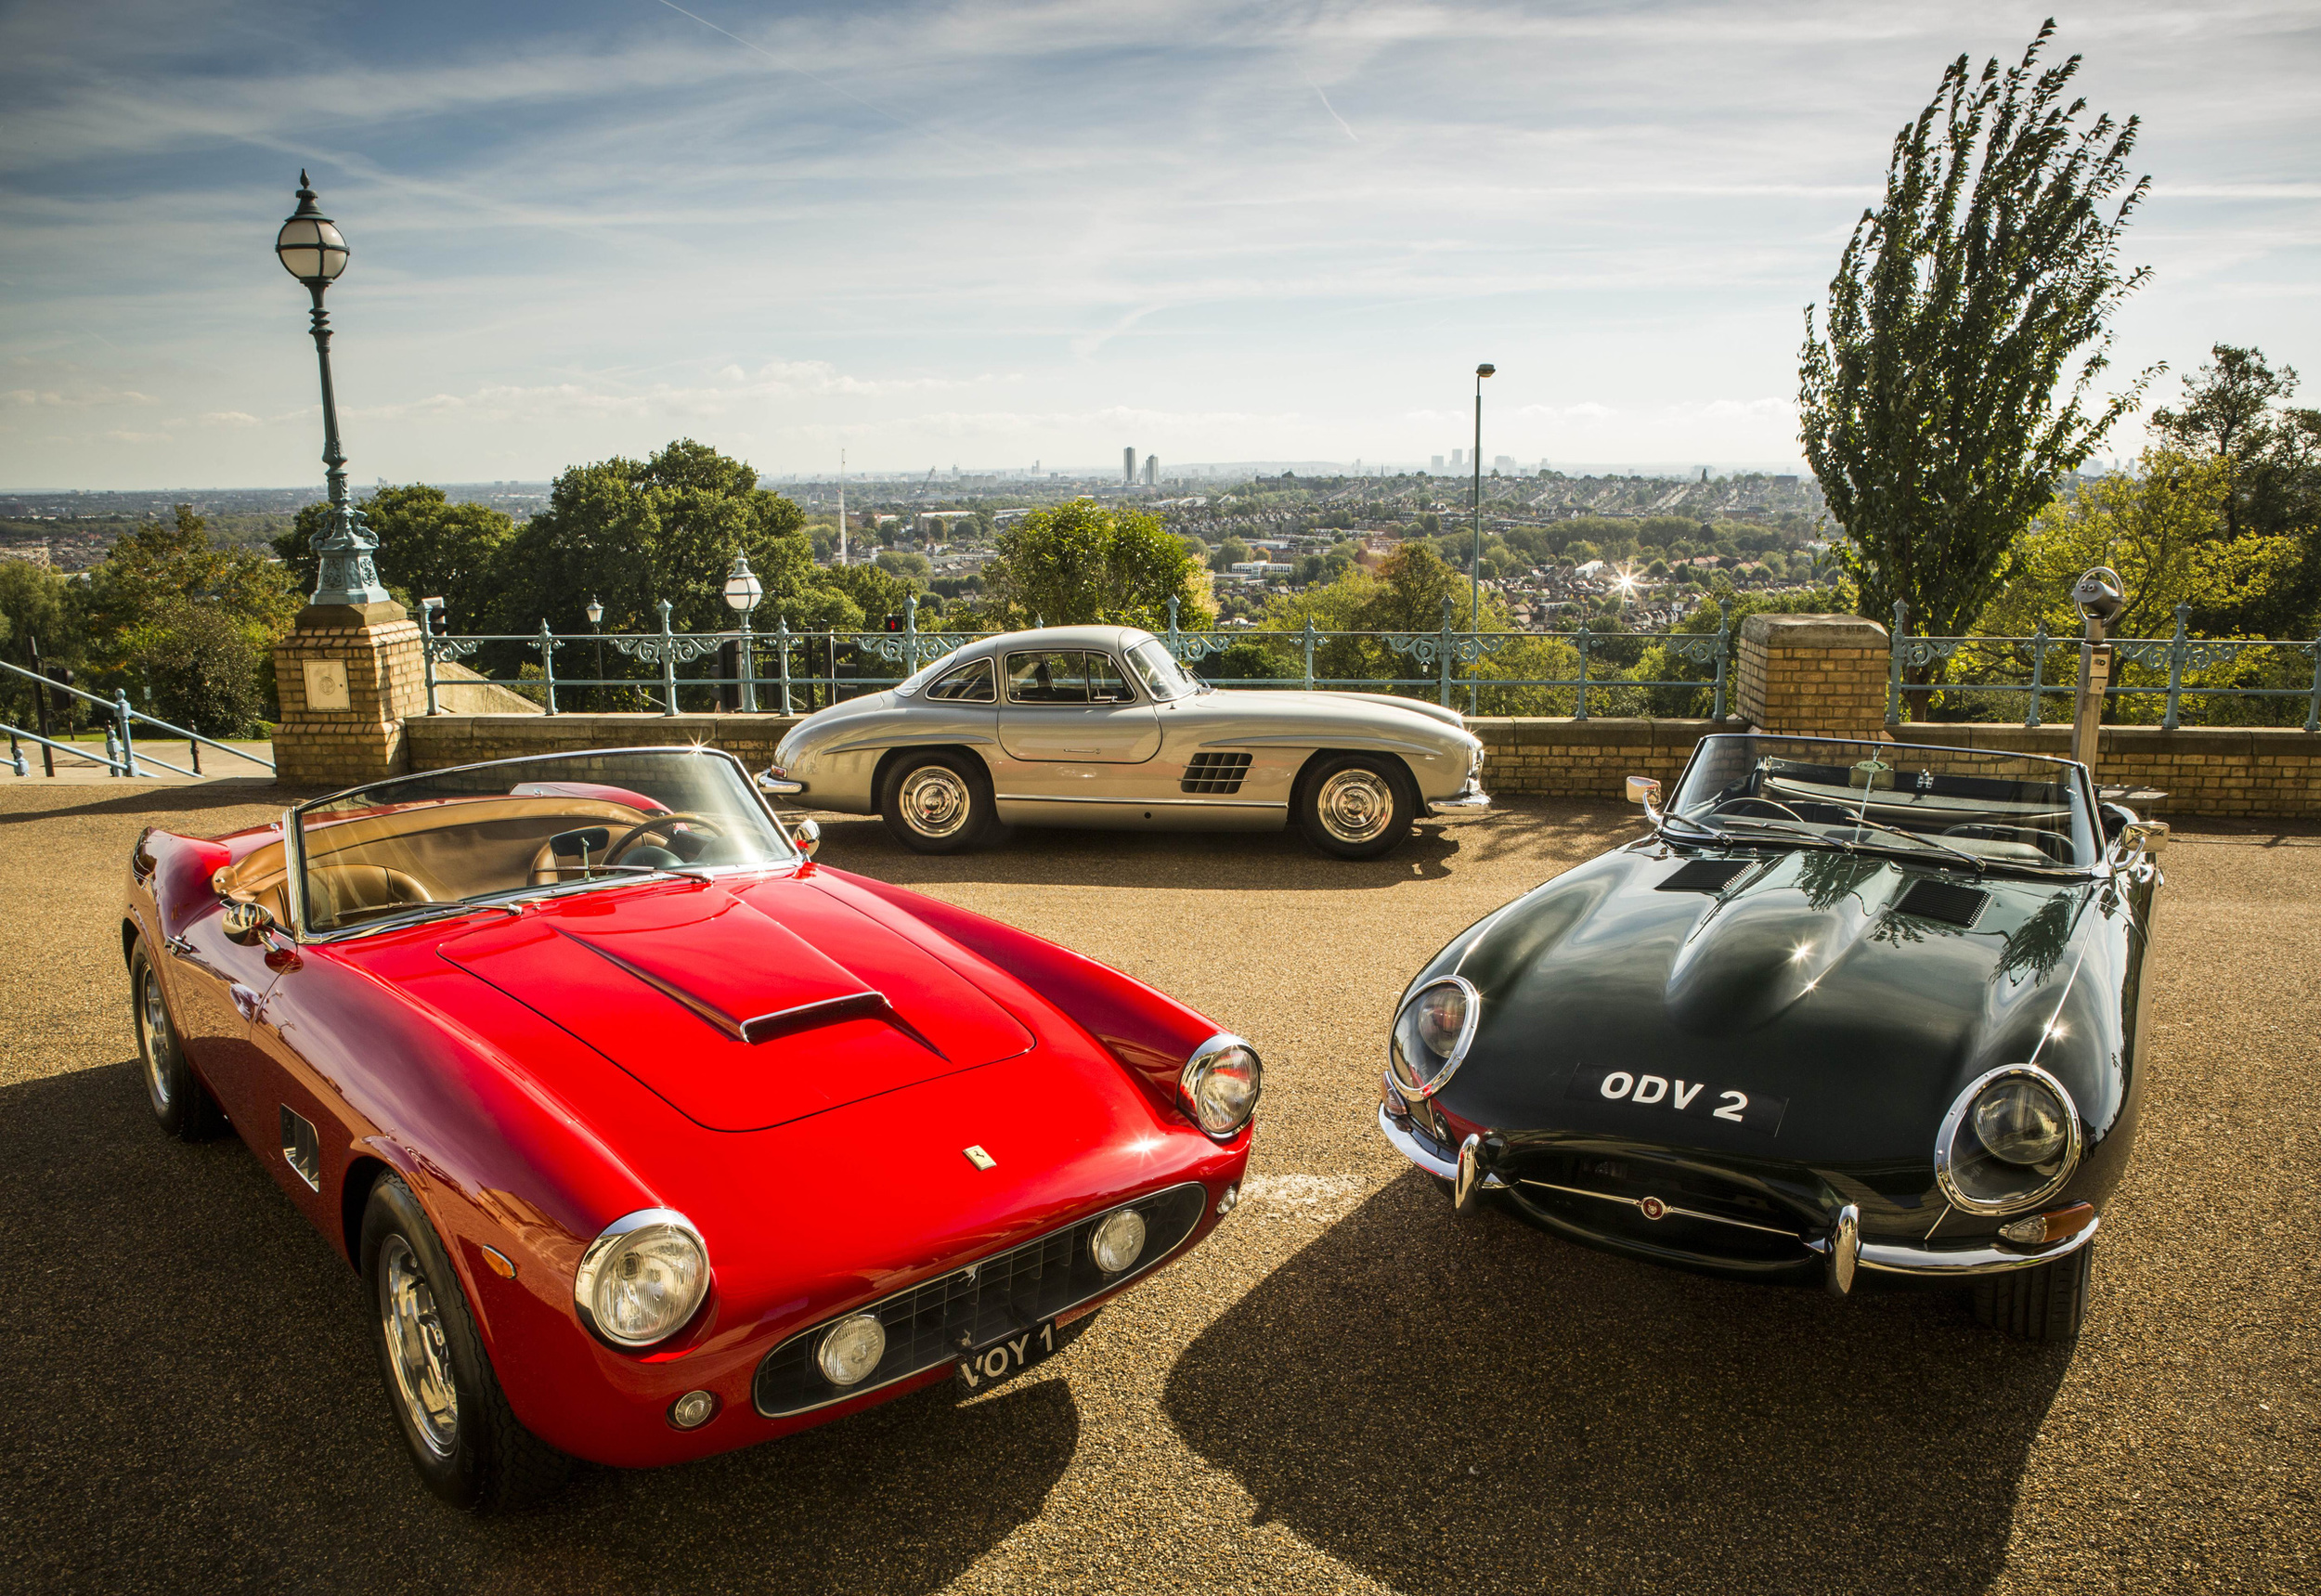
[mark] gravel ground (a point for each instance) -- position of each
(1345, 1390)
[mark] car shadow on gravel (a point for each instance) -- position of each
(189, 1401)
(1248, 861)
(1464, 1405)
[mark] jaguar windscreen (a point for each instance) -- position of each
(390, 851)
(1981, 806)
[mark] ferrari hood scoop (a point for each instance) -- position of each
(744, 1011)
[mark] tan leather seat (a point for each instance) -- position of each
(335, 890)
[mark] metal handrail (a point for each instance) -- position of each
(126, 716)
(2177, 655)
(1447, 653)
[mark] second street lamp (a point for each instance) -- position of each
(312, 250)
(596, 625)
(742, 590)
(1474, 564)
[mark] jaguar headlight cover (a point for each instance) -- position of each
(2010, 1141)
(1220, 1084)
(1432, 1032)
(643, 1277)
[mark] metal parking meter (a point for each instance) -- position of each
(2100, 602)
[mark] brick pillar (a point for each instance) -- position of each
(1814, 675)
(348, 675)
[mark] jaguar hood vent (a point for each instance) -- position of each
(1929, 898)
(1704, 876)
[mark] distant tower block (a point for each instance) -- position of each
(1459, 459)
(1152, 470)
(1128, 465)
(1438, 462)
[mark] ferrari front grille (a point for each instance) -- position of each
(936, 1322)
(1215, 773)
(1931, 899)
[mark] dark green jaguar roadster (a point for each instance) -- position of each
(1853, 1011)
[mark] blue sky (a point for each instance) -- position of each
(987, 234)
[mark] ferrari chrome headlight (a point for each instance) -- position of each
(2010, 1141)
(851, 1349)
(643, 1277)
(1118, 1240)
(1432, 1032)
(1220, 1084)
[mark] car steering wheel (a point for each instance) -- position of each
(659, 823)
(1768, 803)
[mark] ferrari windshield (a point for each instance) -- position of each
(412, 845)
(1969, 806)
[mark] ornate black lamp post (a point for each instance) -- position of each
(312, 250)
(1474, 564)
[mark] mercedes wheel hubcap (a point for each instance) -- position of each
(416, 1350)
(935, 801)
(152, 1025)
(1356, 806)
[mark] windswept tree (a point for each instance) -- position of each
(1963, 306)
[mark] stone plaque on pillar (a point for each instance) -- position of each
(345, 691)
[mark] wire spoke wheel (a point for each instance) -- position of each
(416, 1352)
(153, 1032)
(1355, 806)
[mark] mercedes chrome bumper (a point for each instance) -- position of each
(1469, 796)
(776, 781)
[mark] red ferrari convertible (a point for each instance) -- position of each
(650, 1136)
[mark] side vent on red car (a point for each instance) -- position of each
(1703, 875)
(1928, 898)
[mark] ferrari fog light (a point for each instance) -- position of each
(851, 1349)
(643, 1277)
(1221, 1084)
(694, 1409)
(2009, 1142)
(1118, 1240)
(1230, 1201)
(1432, 1035)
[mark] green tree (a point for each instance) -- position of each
(161, 566)
(911, 567)
(634, 533)
(1230, 553)
(36, 611)
(204, 671)
(1079, 562)
(2270, 455)
(429, 547)
(1929, 408)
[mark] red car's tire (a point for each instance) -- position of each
(462, 1437)
(181, 1102)
(2046, 1303)
(937, 802)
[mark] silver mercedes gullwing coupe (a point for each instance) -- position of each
(1100, 726)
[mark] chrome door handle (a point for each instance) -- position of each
(178, 945)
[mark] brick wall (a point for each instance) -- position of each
(435, 741)
(385, 686)
(1591, 758)
(1815, 675)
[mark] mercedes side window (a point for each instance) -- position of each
(1106, 685)
(1048, 677)
(971, 683)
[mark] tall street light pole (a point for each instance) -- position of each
(1474, 565)
(742, 590)
(312, 250)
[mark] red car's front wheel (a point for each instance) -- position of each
(462, 1437)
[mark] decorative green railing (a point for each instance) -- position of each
(788, 671)
(2147, 672)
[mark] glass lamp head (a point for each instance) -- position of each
(742, 590)
(310, 246)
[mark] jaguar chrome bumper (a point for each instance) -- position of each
(1939, 1263)
(1842, 1250)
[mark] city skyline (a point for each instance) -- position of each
(904, 232)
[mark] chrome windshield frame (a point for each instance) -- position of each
(508, 899)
